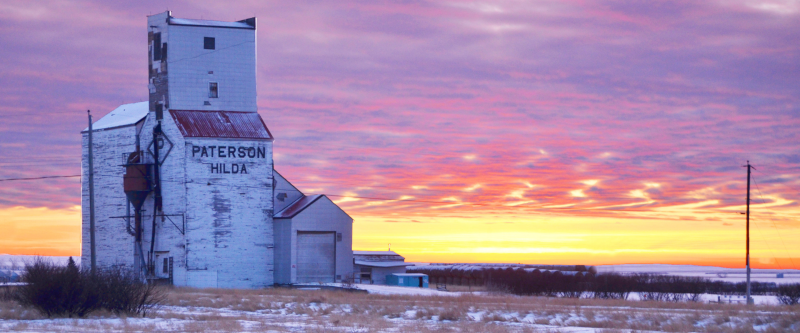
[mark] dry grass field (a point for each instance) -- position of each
(289, 310)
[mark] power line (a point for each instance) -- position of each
(782, 184)
(775, 226)
(768, 246)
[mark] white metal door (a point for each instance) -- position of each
(316, 254)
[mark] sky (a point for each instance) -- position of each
(563, 132)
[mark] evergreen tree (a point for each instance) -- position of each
(71, 265)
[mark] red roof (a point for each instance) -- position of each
(220, 124)
(297, 207)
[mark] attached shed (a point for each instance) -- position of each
(407, 280)
(373, 266)
(313, 237)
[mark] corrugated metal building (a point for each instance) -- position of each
(185, 186)
(374, 266)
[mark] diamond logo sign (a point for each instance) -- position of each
(164, 148)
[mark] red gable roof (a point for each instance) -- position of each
(220, 124)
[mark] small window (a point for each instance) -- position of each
(157, 46)
(338, 236)
(213, 90)
(166, 265)
(209, 43)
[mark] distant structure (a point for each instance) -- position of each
(185, 187)
(374, 266)
(407, 280)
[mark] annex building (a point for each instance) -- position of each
(185, 188)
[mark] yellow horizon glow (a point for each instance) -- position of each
(40, 231)
(678, 234)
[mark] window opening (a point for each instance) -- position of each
(213, 90)
(157, 46)
(209, 43)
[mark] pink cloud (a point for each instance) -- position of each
(375, 98)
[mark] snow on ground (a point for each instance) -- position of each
(727, 299)
(395, 290)
(311, 309)
(709, 272)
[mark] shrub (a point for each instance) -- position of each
(121, 291)
(789, 294)
(58, 291)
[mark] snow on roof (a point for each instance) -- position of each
(375, 253)
(124, 115)
(382, 263)
(209, 23)
(409, 274)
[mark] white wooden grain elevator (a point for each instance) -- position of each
(185, 188)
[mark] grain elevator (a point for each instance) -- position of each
(185, 188)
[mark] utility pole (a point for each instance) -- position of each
(748, 166)
(91, 198)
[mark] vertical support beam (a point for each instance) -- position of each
(156, 196)
(91, 198)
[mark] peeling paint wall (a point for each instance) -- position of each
(229, 214)
(169, 239)
(112, 237)
(158, 50)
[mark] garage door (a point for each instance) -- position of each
(316, 253)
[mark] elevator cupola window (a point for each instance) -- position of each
(213, 90)
(157, 46)
(209, 43)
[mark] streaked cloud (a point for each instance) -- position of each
(643, 112)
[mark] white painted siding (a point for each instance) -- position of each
(169, 237)
(111, 235)
(233, 63)
(229, 215)
(283, 251)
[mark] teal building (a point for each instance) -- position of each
(407, 280)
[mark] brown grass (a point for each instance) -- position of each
(279, 309)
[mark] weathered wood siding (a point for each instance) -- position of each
(229, 211)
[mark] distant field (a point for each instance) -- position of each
(398, 309)
(709, 272)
